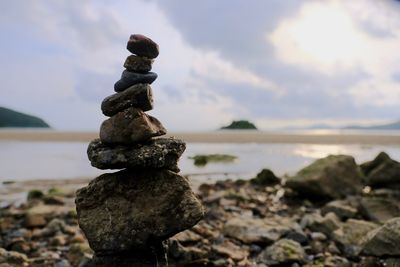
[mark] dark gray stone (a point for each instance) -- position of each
(382, 172)
(138, 64)
(135, 209)
(379, 209)
(138, 96)
(265, 178)
(157, 153)
(130, 126)
(341, 208)
(335, 176)
(384, 241)
(142, 46)
(131, 78)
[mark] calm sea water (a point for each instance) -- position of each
(55, 160)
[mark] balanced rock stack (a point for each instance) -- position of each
(127, 215)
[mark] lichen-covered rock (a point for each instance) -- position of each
(135, 208)
(283, 253)
(138, 96)
(157, 153)
(382, 172)
(142, 46)
(138, 64)
(384, 241)
(335, 176)
(130, 126)
(131, 78)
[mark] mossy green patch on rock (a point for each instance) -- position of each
(35, 194)
(204, 159)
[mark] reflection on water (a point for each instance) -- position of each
(52, 160)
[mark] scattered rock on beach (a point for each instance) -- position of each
(266, 178)
(382, 172)
(283, 252)
(384, 241)
(333, 177)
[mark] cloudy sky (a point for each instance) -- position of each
(277, 63)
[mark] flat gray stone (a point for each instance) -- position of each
(138, 96)
(332, 177)
(131, 78)
(157, 153)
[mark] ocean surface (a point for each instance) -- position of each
(20, 161)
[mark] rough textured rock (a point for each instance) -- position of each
(130, 126)
(384, 241)
(131, 78)
(138, 96)
(323, 178)
(350, 235)
(259, 231)
(12, 258)
(326, 224)
(138, 64)
(382, 171)
(142, 46)
(265, 178)
(341, 208)
(135, 208)
(379, 209)
(283, 252)
(157, 153)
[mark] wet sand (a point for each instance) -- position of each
(215, 137)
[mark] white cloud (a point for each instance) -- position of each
(211, 66)
(327, 37)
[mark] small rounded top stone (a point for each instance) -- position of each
(142, 46)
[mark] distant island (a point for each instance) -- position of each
(12, 118)
(389, 126)
(240, 125)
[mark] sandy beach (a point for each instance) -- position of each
(217, 137)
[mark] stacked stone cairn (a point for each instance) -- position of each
(127, 215)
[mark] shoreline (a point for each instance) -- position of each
(214, 137)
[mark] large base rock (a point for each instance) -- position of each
(133, 209)
(335, 176)
(152, 257)
(157, 153)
